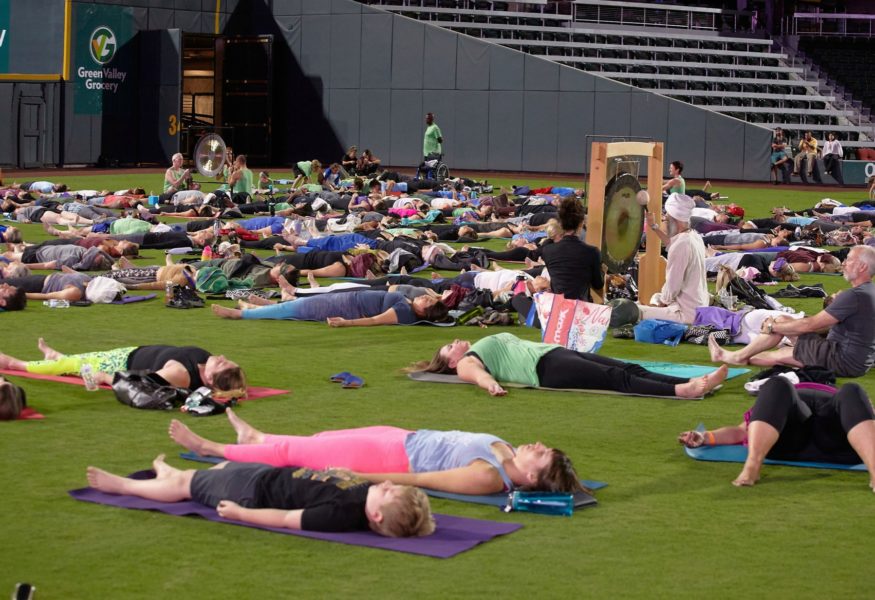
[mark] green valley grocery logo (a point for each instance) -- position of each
(102, 45)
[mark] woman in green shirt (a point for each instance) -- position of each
(505, 357)
(676, 183)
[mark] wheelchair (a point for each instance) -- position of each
(433, 168)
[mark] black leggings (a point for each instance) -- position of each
(567, 369)
(813, 425)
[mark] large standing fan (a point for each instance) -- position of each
(209, 155)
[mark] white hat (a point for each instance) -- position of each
(680, 207)
(103, 290)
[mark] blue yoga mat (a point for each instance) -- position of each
(580, 499)
(688, 371)
(739, 454)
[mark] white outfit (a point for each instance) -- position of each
(685, 287)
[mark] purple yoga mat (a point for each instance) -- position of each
(452, 536)
(130, 299)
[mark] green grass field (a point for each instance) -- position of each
(666, 526)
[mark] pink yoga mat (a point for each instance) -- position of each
(255, 392)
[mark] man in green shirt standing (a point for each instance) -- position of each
(431, 142)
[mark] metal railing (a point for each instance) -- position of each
(838, 24)
(640, 14)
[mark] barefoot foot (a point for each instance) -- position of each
(225, 313)
(185, 437)
(48, 352)
(160, 467)
(311, 279)
(104, 481)
(246, 433)
(715, 378)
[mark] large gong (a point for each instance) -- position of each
(209, 155)
(623, 222)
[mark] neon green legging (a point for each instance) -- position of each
(107, 361)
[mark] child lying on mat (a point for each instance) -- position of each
(505, 357)
(803, 425)
(274, 497)
(12, 400)
(450, 461)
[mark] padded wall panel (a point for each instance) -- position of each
(187, 5)
(611, 115)
(188, 20)
(408, 41)
(315, 7)
(8, 126)
(575, 121)
(343, 110)
(407, 127)
(575, 80)
(540, 131)
(375, 117)
(649, 116)
(686, 139)
(285, 7)
(290, 27)
(506, 69)
(757, 142)
(160, 18)
(472, 64)
(439, 68)
(443, 104)
(315, 58)
(472, 130)
(724, 137)
(345, 51)
(344, 7)
(541, 74)
(376, 51)
(505, 131)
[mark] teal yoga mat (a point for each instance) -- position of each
(689, 371)
(738, 454)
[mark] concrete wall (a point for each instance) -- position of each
(378, 73)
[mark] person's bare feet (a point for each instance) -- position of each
(719, 354)
(707, 186)
(124, 263)
(246, 433)
(5, 361)
(311, 279)
(694, 388)
(161, 468)
(49, 353)
(241, 304)
(748, 477)
(185, 437)
(287, 287)
(255, 300)
(104, 481)
(225, 313)
(716, 378)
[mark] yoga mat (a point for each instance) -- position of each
(131, 299)
(29, 414)
(738, 453)
(688, 371)
(581, 499)
(255, 392)
(452, 536)
(443, 378)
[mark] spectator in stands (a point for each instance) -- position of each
(368, 163)
(832, 157)
(808, 153)
(780, 160)
(349, 161)
(432, 141)
(685, 288)
(676, 184)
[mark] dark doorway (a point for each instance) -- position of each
(246, 84)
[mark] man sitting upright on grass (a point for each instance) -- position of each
(275, 497)
(848, 350)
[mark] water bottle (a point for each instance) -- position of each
(168, 293)
(545, 503)
(207, 253)
(87, 375)
(54, 303)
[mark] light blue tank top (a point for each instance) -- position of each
(429, 450)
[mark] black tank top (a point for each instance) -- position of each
(153, 358)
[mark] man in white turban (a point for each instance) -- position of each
(685, 287)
